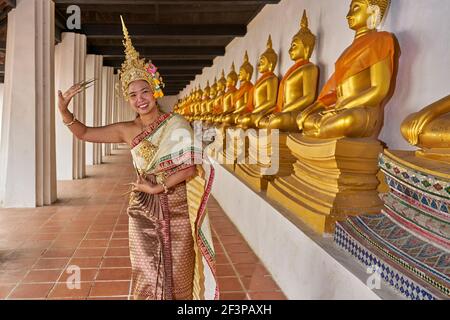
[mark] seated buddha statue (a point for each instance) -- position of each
(351, 103)
(228, 98)
(337, 153)
(242, 95)
(218, 101)
(429, 129)
(298, 88)
(263, 99)
(211, 102)
(205, 99)
(197, 103)
(189, 107)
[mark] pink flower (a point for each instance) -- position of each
(152, 69)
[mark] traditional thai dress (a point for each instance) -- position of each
(171, 249)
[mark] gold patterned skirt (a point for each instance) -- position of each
(161, 246)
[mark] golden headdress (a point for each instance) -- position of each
(305, 35)
(246, 65)
(134, 68)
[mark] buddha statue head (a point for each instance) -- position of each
(206, 91)
(246, 70)
(303, 42)
(199, 93)
(268, 60)
(232, 77)
(367, 14)
(222, 83)
(213, 90)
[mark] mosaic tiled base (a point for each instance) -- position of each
(410, 239)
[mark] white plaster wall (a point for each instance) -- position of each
(2, 86)
(421, 27)
(167, 102)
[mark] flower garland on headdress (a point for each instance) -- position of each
(134, 68)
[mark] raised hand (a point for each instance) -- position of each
(65, 98)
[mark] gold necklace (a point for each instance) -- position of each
(148, 149)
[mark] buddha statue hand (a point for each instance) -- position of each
(307, 112)
(413, 126)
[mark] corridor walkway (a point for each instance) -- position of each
(87, 228)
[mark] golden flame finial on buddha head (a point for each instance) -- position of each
(232, 77)
(222, 82)
(307, 40)
(206, 91)
(268, 60)
(246, 70)
(213, 89)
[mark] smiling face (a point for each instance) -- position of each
(141, 97)
(358, 15)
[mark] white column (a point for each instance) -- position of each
(70, 62)
(93, 105)
(116, 105)
(2, 89)
(27, 147)
(107, 101)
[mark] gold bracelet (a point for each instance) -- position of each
(166, 190)
(72, 122)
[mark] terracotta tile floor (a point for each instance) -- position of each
(87, 228)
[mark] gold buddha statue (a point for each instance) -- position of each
(205, 99)
(189, 106)
(197, 103)
(218, 101)
(242, 95)
(351, 103)
(335, 174)
(298, 88)
(263, 99)
(429, 129)
(228, 98)
(211, 102)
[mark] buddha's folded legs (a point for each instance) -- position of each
(436, 134)
(282, 121)
(244, 120)
(352, 123)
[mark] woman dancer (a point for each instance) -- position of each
(171, 251)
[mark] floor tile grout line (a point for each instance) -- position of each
(70, 258)
(31, 267)
(247, 292)
(229, 259)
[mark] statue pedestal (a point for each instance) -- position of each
(409, 241)
(268, 154)
(231, 144)
(332, 179)
(419, 195)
